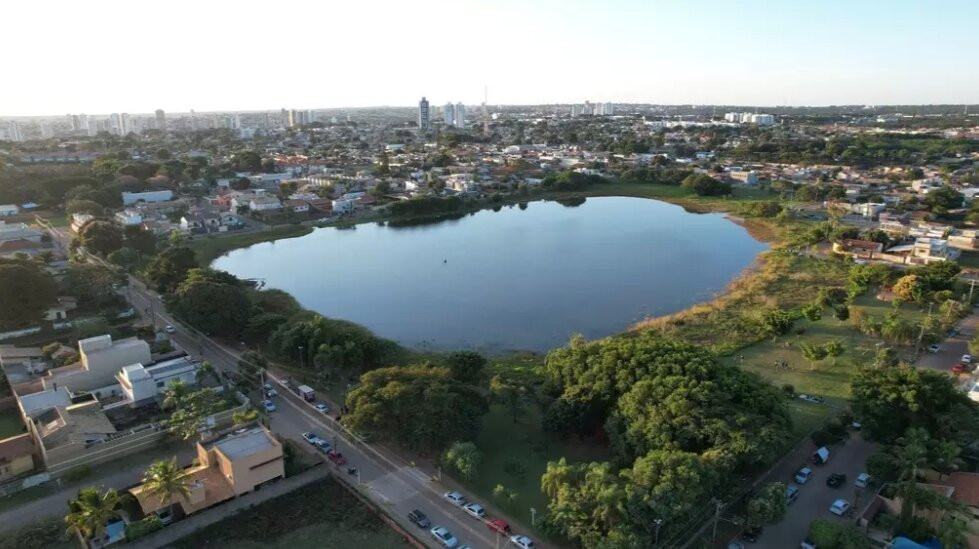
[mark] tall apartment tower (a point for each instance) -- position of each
(449, 114)
(161, 120)
(424, 122)
(460, 115)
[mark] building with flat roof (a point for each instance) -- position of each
(101, 359)
(229, 465)
(142, 384)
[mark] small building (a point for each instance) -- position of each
(128, 198)
(858, 249)
(142, 384)
(744, 177)
(129, 217)
(343, 205)
(101, 359)
(16, 456)
(264, 204)
(229, 465)
(296, 205)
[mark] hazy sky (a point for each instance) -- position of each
(105, 56)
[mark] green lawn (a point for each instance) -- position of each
(208, 248)
(321, 514)
(10, 423)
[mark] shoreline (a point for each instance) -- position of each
(210, 249)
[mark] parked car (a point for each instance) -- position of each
(735, 545)
(522, 541)
(269, 406)
(170, 329)
(863, 479)
(820, 456)
(934, 348)
(751, 534)
(807, 544)
(444, 537)
(836, 480)
(839, 507)
(475, 510)
(791, 494)
(803, 475)
(499, 526)
(455, 497)
(323, 446)
(311, 437)
(322, 407)
(270, 394)
(419, 519)
(336, 457)
(959, 369)
(966, 359)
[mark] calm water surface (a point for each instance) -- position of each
(512, 279)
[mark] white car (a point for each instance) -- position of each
(839, 507)
(966, 359)
(803, 475)
(455, 497)
(791, 494)
(170, 329)
(522, 541)
(322, 407)
(863, 479)
(312, 438)
(934, 348)
(444, 536)
(475, 510)
(269, 406)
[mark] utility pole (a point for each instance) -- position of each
(972, 287)
(921, 333)
(659, 522)
(717, 517)
(533, 516)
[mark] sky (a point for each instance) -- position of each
(102, 56)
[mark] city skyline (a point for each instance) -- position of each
(707, 52)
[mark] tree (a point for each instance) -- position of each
(833, 348)
(247, 416)
(81, 206)
(467, 366)
(841, 312)
(777, 322)
(909, 288)
(910, 454)
(813, 353)
(885, 357)
(420, 406)
(175, 392)
(510, 394)
(26, 291)
(812, 312)
(165, 480)
(768, 506)
(465, 458)
(505, 496)
(91, 284)
(101, 237)
(204, 370)
(944, 198)
(170, 267)
(140, 239)
(220, 309)
(191, 411)
(246, 161)
(705, 185)
(89, 512)
(834, 535)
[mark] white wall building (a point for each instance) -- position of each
(129, 216)
(128, 199)
(141, 383)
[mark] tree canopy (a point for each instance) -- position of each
(26, 291)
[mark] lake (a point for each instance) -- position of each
(522, 278)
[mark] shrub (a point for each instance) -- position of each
(144, 527)
(77, 473)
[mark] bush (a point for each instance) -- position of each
(77, 473)
(514, 468)
(43, 534)
(144, 527)
(788, 389)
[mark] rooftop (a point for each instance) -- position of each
(237, 445)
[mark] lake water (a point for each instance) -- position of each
(510, 279)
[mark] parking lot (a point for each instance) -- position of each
(815, 497)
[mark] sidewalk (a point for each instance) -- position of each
(203, 519)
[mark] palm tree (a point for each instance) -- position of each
(166, 480)
(174, 393)
(946, 457)
(951, 532)
(90, 511)
(204, 370)
(910, 453)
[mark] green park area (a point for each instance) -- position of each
(209, 248)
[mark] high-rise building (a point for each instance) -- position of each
(424, 122)
(460, 119)
(46, 130)
(91, 126)
(161, 120)
(82, 124)
(448, 114)
(609, 109)
(115, 124)
(126, 125)
(235, 121)
(14, 132)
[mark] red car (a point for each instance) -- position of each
(499, 526)
(336, 457)
(958, 369)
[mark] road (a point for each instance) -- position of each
(391, 482)
(952, 349)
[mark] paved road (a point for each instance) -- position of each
(815, 497)
(391, 482)
(952, 349)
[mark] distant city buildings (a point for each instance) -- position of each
(750, 118)
(454, 115)
(424, 121)
(589, 109)
(161, 120)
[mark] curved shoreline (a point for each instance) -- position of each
(759, 230)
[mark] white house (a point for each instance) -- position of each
(129, 216)
(264, 204)
(101, 359)
(296, 205)
(343, 205)
(78, 220)
(142, 383)
(128, 199)
(7, 210)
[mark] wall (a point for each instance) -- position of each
(61, 459)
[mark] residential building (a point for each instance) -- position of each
(343, 205)
(264, 204)
(296, 205)
(964, 239)
(448, 114)
(161, 120)
(459, 120)
(19, 231)
(101, 359)
(744, 177)
(228, 466)
(16, 456)
(424, 123)
(142, 384)
(858, 249)
(129, 216)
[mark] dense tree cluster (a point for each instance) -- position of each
(422, 407)
(678, 421)
(705, 185)
(571, 181)
(864, 150)
(26, 291)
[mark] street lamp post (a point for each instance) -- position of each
(533, 516)
(302, 362)
(659, 522)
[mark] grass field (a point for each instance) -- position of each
(322, 514)
(208, 248)
(10, 423)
